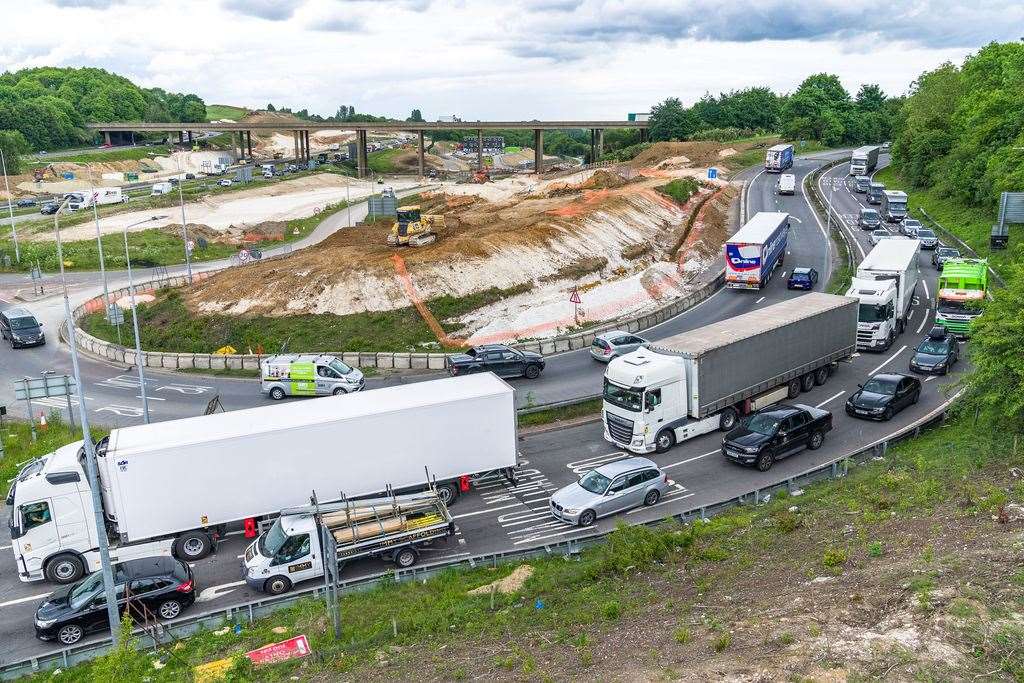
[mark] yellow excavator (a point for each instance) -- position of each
(413, 229)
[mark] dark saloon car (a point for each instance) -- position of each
(943, 254)
(159, 586)
(49, 208)
(502, 360)
(776, 432)
(937, 353)
(20, 328)
(883, 396)
(802, 278)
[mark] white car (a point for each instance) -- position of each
(786, 184)
(879, 235)
(224, 182)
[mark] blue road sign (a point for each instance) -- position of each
(712, 173)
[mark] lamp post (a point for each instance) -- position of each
(135, 319)
(10, 208)
(184, 231)
(90, 451)
(99, 246)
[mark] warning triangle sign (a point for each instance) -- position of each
(574, 298)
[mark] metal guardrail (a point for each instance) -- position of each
(963, 245)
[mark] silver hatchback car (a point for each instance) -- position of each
(609, 345)
(613, 487)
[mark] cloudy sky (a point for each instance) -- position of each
(516, 59)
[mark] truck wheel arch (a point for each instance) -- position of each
(68, 554)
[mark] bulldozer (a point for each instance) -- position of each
(413, 229)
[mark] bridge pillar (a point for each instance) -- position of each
(248, 138)
(538, 150)
(644, 135)
(599, 143)
(295, 145)
(422, 154)
(305, 145)
(362, 162)
(593, 145)
(480, 149)
(181, 137)
(190, 138)
(106, 137)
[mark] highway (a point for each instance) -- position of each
(500, 517)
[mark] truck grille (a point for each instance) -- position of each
(864, 336)
(619, 428)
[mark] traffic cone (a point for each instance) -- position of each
(42, 421)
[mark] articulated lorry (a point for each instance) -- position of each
(394, 528)
(755, 250)
(99, 197)
(778, 158)
(173, 487)
(884, 285)
(863, 160)
(699, 381)
(963, 284)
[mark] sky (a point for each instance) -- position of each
(491, 60)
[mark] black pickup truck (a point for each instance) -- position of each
(502, 360)
(775, 432)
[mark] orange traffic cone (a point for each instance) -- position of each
(42, 420)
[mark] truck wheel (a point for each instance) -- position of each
(807, 382)
(65, 568)
(405, 558)
(664, 441)
(817, 438)
(532, 371)
(821, 376)
(339, 391)
(587, 518)
(794, 387)
(277, 393)
(192, 546)
(448, 493)
(765, 461)
(276, 585)
(727, 419)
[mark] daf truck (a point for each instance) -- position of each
(755, 250)
(963, 284)
(778, 158)
(699, 381)
(894, 205)
(99, 196)
(884, 286)
(863, 160)
(174, 487)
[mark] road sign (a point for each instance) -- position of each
(575, 296)
(115, 315)
(44, 387)
(279, 652)
(712, 173)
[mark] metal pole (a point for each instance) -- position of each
(10, 207)
(67, 395)
(139, 362)
(184, 231)
(99, 246)
(31, 417)
(348, 205)
(90, 454)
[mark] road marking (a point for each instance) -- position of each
(926, 294)
(889, 360)
(214, 592)
(783, 273)
(929, 378)
(5, 547)
(760, 300)
(911, 314)
(830, 398)
(696, 457)
(541, 538)
(668, 499)
(21, 600)
(927, 314)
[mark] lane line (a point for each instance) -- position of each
(21, 600)
(927, 314)
(926, 294)
(830, 398)
(667, 499)
(889, 359)
(483, 512)
(541, 538)
(760, 300)
(929, 378)
(696, 457)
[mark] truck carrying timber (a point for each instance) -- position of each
(756, 250)
(884, 285)
(864, 160)
(394, 528)
(778, 158)
(699, 381)
(173, 487)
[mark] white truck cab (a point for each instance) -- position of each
(876, 319)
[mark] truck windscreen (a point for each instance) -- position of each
(897, 206)
(623, 397)
(873, 313)
(273, 540)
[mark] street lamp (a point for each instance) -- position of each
(90, 451)
(99, 246)
(135, 318)
(10, 208)
(184, 232)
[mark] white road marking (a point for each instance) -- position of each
(21, 600)
(696, 457)
(483, 512)
(796, 219)
(927, 314)
(5, 547)
(926, 294)
(760, 300)
(541, 538)
(214, 592)
(668, 499)
(889, 359)
(830, 398)
(911, 314)
(929, 378)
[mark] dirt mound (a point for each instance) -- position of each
(408, 161)
(698, 153)
(600, 180)
(263, 116)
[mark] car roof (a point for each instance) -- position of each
(631, 464)
(612, 333)
(801, 270)
(148, 566)
(18, 312)
(888, 376)
(779, 410)
(491, 347)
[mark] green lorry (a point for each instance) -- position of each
(963, 285)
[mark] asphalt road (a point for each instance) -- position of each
(501, 517)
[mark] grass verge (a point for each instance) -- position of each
(19, 447)
(220, 112)
(561, 414)
(383, 161)
(680, 189)
(125, 154)
(237, 373)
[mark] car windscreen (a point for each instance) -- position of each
(273, 540)
(25, 322)
(339, 367)
(623, 397)
(933, 347)
(86, 590)
(869, 213)
(761, 423)
(878, 386)
(594, 481)
(925, 232)
(948, 253)
(897, 206)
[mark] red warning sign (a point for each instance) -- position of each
(574, 298)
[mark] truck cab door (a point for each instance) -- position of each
(654, 410)
(39, 537)
(298, 559)
(72, 527)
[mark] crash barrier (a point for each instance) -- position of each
(250, 611)
(825, 207)
(963, 246)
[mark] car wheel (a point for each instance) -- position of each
(65, 568)
(169, 609)
(794, 387)
(405, 558)
(817, 438)
(587, 518)
(339, 391)
(276, 585)
(807, 382)
(277, 393)
(765, 461)
(447, 493)
(888, 413)
(727, 420)
(70, 634)
(192, 546)
(664, 441)
(532, 371)
(821, 376)
(652, 497)
(915, 398)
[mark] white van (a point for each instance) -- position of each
(786, 184)
(161, 188)
(307, 375)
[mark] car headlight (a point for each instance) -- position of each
(878, 410)
(45, 623)
(570, 511)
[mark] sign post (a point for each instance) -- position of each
(48, 386)
(574, 299)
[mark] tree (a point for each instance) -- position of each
(870, 97)
(415, 116)
(270, 107)
(670, 120)
(13, 144)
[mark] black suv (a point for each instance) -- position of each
(775, 432)
(20, 328)
(884, 395)
(502, 360)
(937, 353)
(159, 587)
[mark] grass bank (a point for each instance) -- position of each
(114, 154)
(20, 448)
(168, 325)
(680, 189)
(562, 414)
(827, 585)
(219, 112)
(384, 161)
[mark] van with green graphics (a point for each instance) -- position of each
(307, 375)
(962, 287)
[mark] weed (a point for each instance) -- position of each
(834, 557)
(786, 638)
(722, 642)
(875, 549)
(682, 635)
(962, 609)
(507, 662)
(611, 610)
(680, 189)
(814, 630)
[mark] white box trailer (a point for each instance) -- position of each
(884, 285)
(175, 485)
(863, 160)
(99, 196)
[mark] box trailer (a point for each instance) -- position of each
(99, 196)
(778, 158)
(894, 205)
(699, 381)
(173, 487)
(864, 160)
(756, 250)
(884, 286)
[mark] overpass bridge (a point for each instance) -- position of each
(301, 129)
